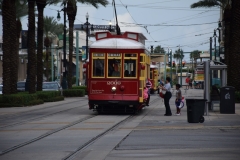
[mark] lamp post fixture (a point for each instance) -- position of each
(64, 79)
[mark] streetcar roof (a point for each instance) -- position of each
(119, 43)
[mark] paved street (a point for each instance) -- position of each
(68, 130)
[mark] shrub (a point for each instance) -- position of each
(17, 100)
(81, 87)
(54, 99)
(74, 93)
(47, 96)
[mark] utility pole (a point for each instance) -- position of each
(77, 60)
(165, 63)
(210, 60)
(171, 65)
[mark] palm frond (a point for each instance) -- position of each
(207, 4)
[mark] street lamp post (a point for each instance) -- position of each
(215, 48)
(64, 79)
(87, 23)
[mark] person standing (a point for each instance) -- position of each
(167, 96)
(178, 99)
(148, 85)
(187, 82)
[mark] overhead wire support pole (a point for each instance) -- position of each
(165, 63)
(77, 60)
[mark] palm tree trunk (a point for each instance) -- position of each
(14, 72)
(234, 54)
(70, 54)
(14, 50)
(71, 12)
(31, 47)
(40, 5)
(7, 19)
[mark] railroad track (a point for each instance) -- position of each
(45, 135)
(94, 139)
(37, 118)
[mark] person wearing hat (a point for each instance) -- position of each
(148, 85)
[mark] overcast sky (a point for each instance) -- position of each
(158, 20)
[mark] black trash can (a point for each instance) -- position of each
(195, 110)
(227, 100)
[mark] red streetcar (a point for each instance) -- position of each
(117, 71)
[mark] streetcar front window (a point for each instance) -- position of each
(130, 68)
(114, 68)
(98, 67)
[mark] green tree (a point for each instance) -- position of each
(49, 27)
(19, 11)
(195, 55)
(159, 49)
(178, 56)
(41, 4)
(71, 12)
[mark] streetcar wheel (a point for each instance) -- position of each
(201, 119)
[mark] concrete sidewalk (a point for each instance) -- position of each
(213, 119)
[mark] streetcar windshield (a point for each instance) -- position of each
(98, 67)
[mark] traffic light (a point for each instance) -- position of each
(173, 63)
(151, 49)
(183, 63)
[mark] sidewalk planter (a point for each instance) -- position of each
(195, 110)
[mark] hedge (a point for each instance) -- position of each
(74, 93)
(81, 87)
(48, 96)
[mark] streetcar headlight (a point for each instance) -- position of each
(114, 89)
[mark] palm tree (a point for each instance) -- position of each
(71, 12)
(49, 26)
(21, 11)
(195, 55)
(41, 4)
(234, 65)
(31, 48)
(9, 39)
(178, 56)
(210, 3)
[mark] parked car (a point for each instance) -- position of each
(51, 86)
(1, 88)
(21, 86)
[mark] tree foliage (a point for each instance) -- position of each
(159, 49)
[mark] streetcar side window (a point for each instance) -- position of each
(98, 67)
(130, 65)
